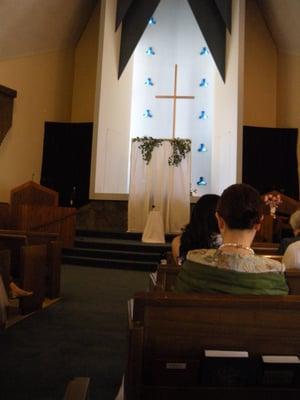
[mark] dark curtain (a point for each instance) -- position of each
(66, 161)
(270, 159)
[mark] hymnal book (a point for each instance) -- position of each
(226, 354)
(280, 370)
(227, 368)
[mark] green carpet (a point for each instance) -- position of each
(85, 334)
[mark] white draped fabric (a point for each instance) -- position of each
(166, 187)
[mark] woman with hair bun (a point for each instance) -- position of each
(234, 268)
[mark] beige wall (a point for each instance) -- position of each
(85, 69)
(288, 103)
(44, 85)
(260, 88)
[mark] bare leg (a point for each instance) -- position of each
(16, 291)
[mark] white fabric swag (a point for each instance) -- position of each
(159, 184)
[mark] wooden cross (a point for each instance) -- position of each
(174, 97)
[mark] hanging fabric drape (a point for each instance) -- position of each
(161, 185)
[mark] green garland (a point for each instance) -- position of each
(147, 146)
(180, 148)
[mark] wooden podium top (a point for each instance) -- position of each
(33, 193)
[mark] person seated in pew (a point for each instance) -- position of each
(234, 268)
(291, 246)
(295, 224)
(201, 232)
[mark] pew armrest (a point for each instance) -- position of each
(33, 276)
(5, 268)
(78, 389)
(135, 355)
(53, 269)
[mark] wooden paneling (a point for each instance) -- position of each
(60, 220)
(33, 193)
(4, 215)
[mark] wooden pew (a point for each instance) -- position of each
(293, 280)
(5, 268)
(78, 389)
(54, 246)
(169, 332)
(4, 274)
(28, 264)
(262, 248)
(33, 265)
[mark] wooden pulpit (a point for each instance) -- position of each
(35, 208)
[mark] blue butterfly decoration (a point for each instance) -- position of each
(150, 51)
(203, 83)
(152, 21)
(202, 181)
(204, 51)
(203, 115)
(148, 82)
(202, 148)
(147, 114)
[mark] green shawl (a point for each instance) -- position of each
(195, 277)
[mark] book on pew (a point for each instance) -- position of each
(280, 370)
(227, 368)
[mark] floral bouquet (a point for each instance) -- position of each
(273, 201)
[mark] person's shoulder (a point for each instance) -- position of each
(268, 264)
(201, 256)
(294, 245)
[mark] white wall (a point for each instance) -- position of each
(112, 113)
(227, 138)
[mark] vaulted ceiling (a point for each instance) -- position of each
(283, 20)
(37, 26)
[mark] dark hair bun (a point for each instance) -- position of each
(250, 217)
(240, 206)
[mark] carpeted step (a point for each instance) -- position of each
(113, 254)
(119, 244)
(118, 250)
(110, 263)
(116, 235)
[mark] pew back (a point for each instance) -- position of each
(14, 239)
(170, 328)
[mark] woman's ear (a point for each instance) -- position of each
(221, 222)
(258, 226)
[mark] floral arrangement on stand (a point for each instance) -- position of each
(273, 201)
(180, 148)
